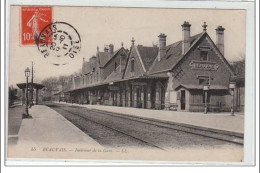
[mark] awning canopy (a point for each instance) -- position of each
(35, 85)
(154, 76)
(60, 92)
(200, 87)
(238, 78)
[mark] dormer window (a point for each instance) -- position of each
(203, 80)
(132, 65)
(115, 65)
(204, 55)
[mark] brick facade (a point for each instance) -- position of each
(165, 77)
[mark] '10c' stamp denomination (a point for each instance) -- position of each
(33, 20)
(59, 39)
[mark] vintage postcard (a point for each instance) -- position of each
(127, 84)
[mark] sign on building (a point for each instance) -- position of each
(203, 65)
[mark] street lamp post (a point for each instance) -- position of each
(27, 74)
(206, 88)
(232, 86)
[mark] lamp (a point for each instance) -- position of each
(27, 74)
(206, 87)
(232, 86)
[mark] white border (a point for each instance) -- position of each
(249, 146)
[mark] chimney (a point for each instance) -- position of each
(105, 49)
(133, 41)
(220, 39)
(185, 36)
(97, 51)
(111, 48)
(162, 46)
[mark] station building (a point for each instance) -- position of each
(179, 76)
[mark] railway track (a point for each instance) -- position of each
(228, 137)
(119, 131)
(144, 131)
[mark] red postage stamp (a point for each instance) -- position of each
(33, 20)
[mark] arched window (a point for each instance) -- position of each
(132, 65)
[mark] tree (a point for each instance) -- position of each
(50, 87)
(12, 95)
(239, 65)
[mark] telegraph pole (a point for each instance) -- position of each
(32, 86)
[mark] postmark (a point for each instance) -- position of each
(33, 20)
(59, 40)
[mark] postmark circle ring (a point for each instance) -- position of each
(59, 40)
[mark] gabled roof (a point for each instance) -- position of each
(173, 55)
(103, 58)
(115, 54)
(139, 63)
(87, 68)
(218, 52)
(114, 76)
(148, 55)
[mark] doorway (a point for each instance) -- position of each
(138, 93)
(182, 99)
(114, 97)
(153, 93)
(145, 97)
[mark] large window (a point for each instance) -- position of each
(204, 55)
(132, 65)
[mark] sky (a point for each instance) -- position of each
(99, 26)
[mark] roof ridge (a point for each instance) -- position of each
(113, 73)
(148, 72)
(171, 43)
(173, 51)
(199, 36)
(114, 54)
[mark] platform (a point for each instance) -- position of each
(49, 134)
